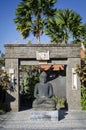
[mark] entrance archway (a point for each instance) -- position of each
(68, 55)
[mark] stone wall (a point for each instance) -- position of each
(68, 55)
(29, 51)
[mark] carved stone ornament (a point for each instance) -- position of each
(42, 55)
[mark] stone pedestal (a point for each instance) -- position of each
(44, 115)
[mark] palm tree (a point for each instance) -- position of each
(65, 25)
(32, 15)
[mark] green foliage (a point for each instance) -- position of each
(64, 25)
(29, 80)
(32, 15)
(60, 102)
(84, 35)
(81, 71)
(25, 83)
(4, 79)
(29, 42)
(83, 97)
(4, 84)
(2, 59)
(2, 62)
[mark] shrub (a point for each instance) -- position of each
(4, 84)
(60, 102)
(83, 97)
(30, 78)
(81, 71)
(4, 80)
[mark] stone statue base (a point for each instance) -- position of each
(44, 104)
(44, 115)
(44, 109)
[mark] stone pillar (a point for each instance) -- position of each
(73, 94)
(12, 96)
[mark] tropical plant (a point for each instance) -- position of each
(83, 97)
(84, 35)
(81, 71)
(32, 16)
(66, 25)
(60, 102)
(4, 84)
(4, 80)
(29, 80)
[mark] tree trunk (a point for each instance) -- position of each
(38, 40)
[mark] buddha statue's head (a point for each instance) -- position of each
(43, 77)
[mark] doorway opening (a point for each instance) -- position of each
(29, 76)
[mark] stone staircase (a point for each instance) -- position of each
(68, 120)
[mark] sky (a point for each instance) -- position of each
(8, 32)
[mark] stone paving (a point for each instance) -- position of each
(68, 120)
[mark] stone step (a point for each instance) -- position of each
(20, 120)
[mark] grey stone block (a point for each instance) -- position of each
(44, 115)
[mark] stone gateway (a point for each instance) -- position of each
(54, 54)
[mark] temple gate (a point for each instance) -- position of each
(67, 85)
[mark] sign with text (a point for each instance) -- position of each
(42, 55)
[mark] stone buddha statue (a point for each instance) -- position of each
(43, 93)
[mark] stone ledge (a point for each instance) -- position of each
(42, 45)
(44, 115)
